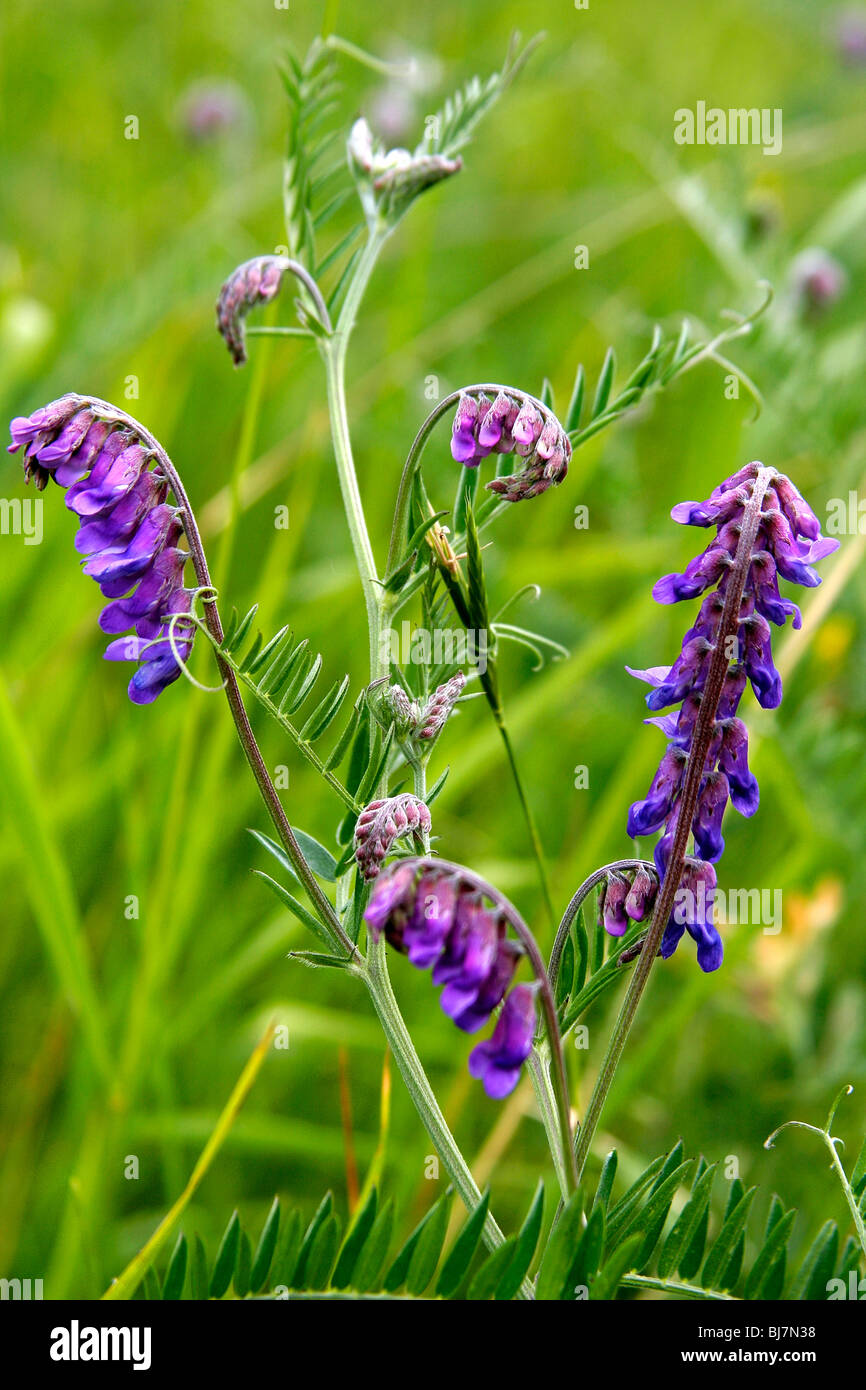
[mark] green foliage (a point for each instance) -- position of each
(783, 1020)
(451, 128)
(282, 674)
(311, 88)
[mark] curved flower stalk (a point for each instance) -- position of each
(441, 922)
(127, 531)
(439, 914)
(537, 422)
(103, 456)
(632, 901)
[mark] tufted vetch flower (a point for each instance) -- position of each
(444, 923)
(731, 637)
(128, 535)
(508, 425)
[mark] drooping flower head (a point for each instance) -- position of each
(787, 544)
(625, 898)
(443, 923)
(255, 282)
(128, 534)
(505, 425)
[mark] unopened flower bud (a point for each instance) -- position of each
(255, 282)
(613, 911)
(388, 180)
(641, 895)
(439, 706)
(381, 823)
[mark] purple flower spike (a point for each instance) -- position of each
(497, 1062)
(788, 543)
(442, 921)
(530, 430)
(126, 531)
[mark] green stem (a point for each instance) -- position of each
(334, 364)
(378, 983)
(831, 1143)
(853, 1205)
(539, 1072)
(375, 971)
(532, 828)
(334, 350)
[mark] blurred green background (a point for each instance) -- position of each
(112, 251)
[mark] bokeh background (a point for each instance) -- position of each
(112, 251)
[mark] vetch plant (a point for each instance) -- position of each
(383, 887)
